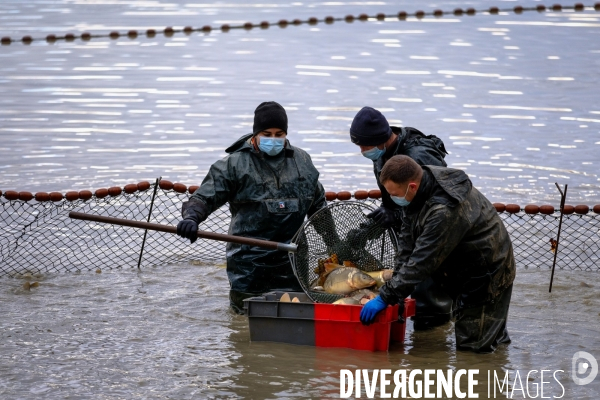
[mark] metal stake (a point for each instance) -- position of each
(563, 196)
(149, 215)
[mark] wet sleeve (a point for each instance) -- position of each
(217, 187)
(443, 230)
(323, 223)
(386, 200)
(319, 200)
(404, 246)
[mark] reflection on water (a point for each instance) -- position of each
(122, 104)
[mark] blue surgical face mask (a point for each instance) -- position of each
(374, 153)
(270, 145)
(401, 201)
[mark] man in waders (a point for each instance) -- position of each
(378, 141)
(452, 234)
(271, 186)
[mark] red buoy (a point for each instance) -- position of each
(532, 209)
(114, 191)
(361, 194)
(42, 196)
(130, 188)
(568, 209)
(330, 196)
(165, 185)
(56, 196)
(144, 185)
(25, 196)
(85, 194)
(344, 195)
(547, 209)
(179, 187)
(101, 193)
(375, 194)
(72, 196)
(513, 208)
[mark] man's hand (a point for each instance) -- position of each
(356, 238)
(387, 274)
(371, 309)
(188, 228)
(384, 217)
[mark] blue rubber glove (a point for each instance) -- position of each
(371, 309)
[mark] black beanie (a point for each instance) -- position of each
(269, 115)
(369, 128)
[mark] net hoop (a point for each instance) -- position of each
(377, 253)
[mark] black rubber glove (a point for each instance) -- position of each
(188, 228)
(357, 238)
(384, 217)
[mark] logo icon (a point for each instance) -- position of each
(281, 204)
(581, 367)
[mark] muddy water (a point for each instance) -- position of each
(514, 98)
(166, 333)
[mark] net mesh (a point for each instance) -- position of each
(39, 237)
(344, 230)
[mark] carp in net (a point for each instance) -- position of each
(343, 234)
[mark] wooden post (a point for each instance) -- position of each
(563, 196)
(149, 216)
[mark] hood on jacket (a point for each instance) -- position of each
(455, 182)
(240, 144)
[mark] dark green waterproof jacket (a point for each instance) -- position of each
(425, 150)
(269, 198)
(452, 233)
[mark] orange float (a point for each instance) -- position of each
(72, 196)
(165, 185)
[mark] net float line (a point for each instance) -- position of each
(37, 235)
(374, 194)
(283, 23)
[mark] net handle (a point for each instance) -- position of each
(289, 247)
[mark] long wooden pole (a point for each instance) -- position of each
(291, 247)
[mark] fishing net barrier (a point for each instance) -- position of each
(169, 31)
(37, 235)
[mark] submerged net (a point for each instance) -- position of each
(344, 230)
(39, 237)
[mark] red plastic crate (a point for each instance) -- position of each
(323, 325)
(338, 325)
